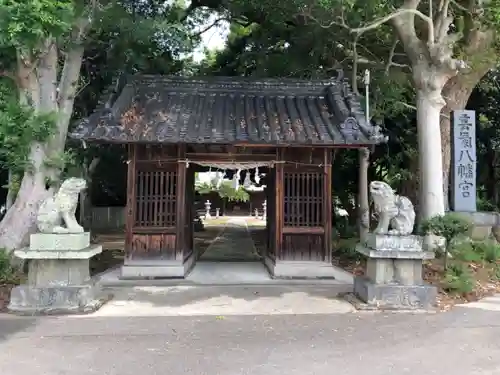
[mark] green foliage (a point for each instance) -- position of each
(345, 249)
(20, 126)
(204, 188)
(449, 226)
(8, 274)
(458, 279)
(486, 101)
(343, 229)
(225, 191)
(467, 252)
(64, 163)
(485, 205)
(488, 250)
(228, 192)
(496, 272)
(26, 23)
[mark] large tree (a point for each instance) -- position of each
(43, 45)
(444, 46)
(447, 47)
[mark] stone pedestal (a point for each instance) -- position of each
(58, 276)
(393, 276)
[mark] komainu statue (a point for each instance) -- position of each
(57, 213)
(393, 211)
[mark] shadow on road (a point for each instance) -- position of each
(11, 324)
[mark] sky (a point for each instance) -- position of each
(214, 38)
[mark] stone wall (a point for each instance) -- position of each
(486, 224)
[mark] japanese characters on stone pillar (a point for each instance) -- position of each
(464, 161)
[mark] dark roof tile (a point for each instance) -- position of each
(229, 110)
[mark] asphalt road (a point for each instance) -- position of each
(465, 341)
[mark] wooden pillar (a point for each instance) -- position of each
(363, 200)
(327, 204)
(129, 221)
(279, 201)
(181, 203)
(189, 217)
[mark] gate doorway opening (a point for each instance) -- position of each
(231, 205)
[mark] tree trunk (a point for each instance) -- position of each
(429, 104)
(20, 219)
(38, 86)
(11, 196)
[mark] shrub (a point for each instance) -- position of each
(449, 226)
(467, 252)
(488, 250)
(496, 272)
(458, 279)
(346, 249)
(485, 205)
(8, 274)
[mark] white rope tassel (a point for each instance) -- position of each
(257, 177)
(219, 178)
(236, 180)
(247, 183)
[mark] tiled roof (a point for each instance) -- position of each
(228, 110)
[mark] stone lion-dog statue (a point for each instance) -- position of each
(393, 211)
(57, 213)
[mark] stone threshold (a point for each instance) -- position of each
(111, 278)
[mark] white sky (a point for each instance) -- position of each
(215, 38)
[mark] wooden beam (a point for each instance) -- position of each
(129, 220)
(303, 230)
(190, 195)
(327, 204)
(278, 229)
(181, 203)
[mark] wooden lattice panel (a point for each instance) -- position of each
(303, 199)
(303, 247)
(155, 198)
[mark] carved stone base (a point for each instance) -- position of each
(385, 242)
(394, 254)
(49, 272)
(85, 253)
(393, 277)
(394, 296)
(59, 242)
(74, 299)
(399, 271)
(58, 280)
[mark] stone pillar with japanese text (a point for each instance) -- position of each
(464, 161)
